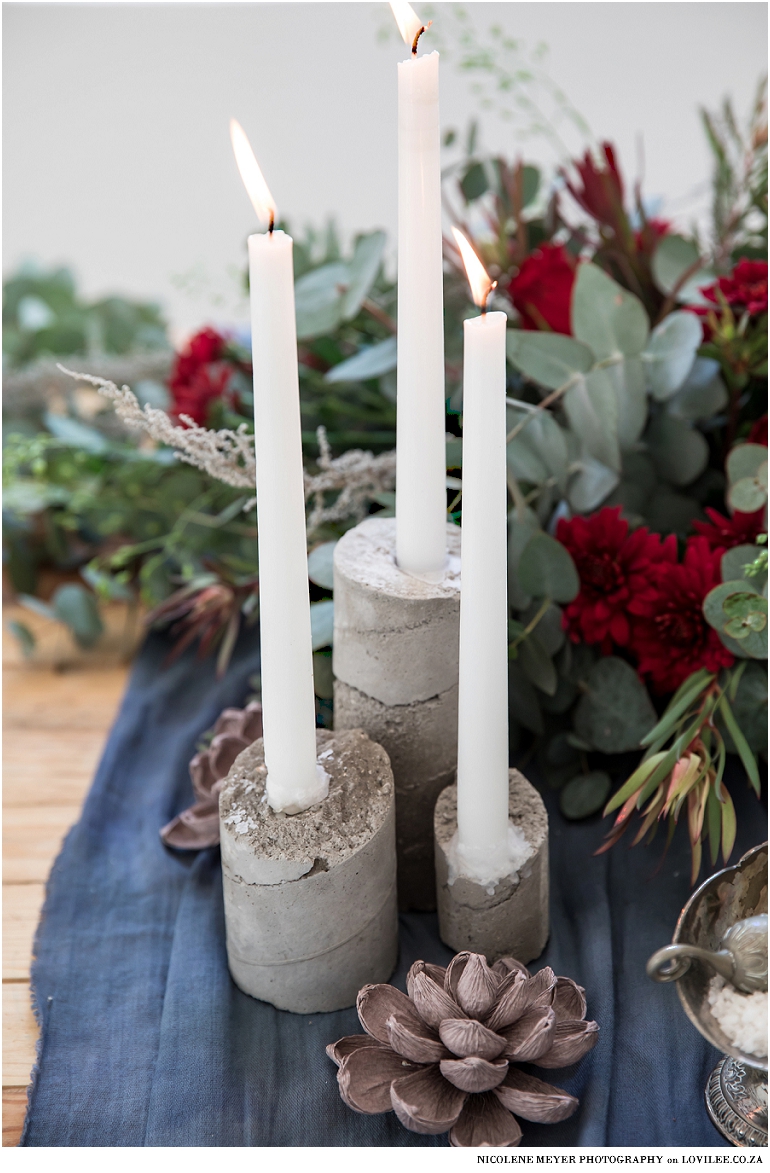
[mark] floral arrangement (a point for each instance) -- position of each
(443, 1057)
(637, 460)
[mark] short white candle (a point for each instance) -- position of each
(294, 779)
(420, 397)
(483, 843)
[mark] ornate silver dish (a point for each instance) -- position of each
(736, 1093)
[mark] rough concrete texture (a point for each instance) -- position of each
(513, 920)
(395, 637)
(421, 742)
(310, 899)
(396, 644)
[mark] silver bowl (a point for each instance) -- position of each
(736, 1094)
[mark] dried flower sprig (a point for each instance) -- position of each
(356, 477)
(689, 771)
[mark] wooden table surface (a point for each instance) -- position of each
(55, 723)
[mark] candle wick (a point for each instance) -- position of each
(487, 296)
(419, 34)
(271, 225)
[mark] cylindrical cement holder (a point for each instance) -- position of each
(396, 642)
(310, 899)
(509, 919)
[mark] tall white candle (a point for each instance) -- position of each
(294, 780)
(420, 424)
(483, 843)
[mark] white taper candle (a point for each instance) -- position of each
(482, 743)
(420, 425)
(294, 779)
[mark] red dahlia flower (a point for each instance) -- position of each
(195, 379)
(614, 569)
(723, 533)
(542, 289)
(670, 636)
(758, 433)
(744, 289)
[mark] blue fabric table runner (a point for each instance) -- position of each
(145, 1040)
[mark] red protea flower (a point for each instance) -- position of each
(614, 570)
(649, 236)
(442, 1058)
(723, 533)
(670, 635)
(600, 192)
(198, 376)
(542, 289)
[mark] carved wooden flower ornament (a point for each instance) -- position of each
(443, 1057)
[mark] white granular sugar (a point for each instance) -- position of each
(743, 1017)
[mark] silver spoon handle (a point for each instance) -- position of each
(672, 962)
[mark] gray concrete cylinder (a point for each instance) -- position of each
(396, 646)
(310, 899)
(509, 919)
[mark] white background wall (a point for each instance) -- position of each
(116, 152)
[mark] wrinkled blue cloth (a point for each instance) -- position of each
(146, 1041)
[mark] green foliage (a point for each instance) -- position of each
(322, 623)
(738, 613)
(44, 315)
(585, 794)
(615, 711)
(546, 570)
(747, 475)
(320, 565)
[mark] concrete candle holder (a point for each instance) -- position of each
(509, 918)
(396, 642)
(310, 899)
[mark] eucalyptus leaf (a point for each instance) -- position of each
(523, 461)
(318, 299)
(592, 410)
(530, 184)
(523, 700)
(628, 381)
(590, 484)
(670, 352)
(750, 709)
(559, 751)
(547, 359)
(735, 561)
(615, 712)
(37, 606)
(672, 258)
(702, 394)
(369, 363)
(753, 645)
(549, 629)
(585, 795)
(546, 570)
(320, 565)
(746, 460)
(26, 639)
(77, 609)
(537, 664)
(74, 433)
(562, 699)
(363, 268)
(521, 527)
(608, 319)
(670, 512)
(679, 451)
(474, 182)
(322, 623)
(748, 494)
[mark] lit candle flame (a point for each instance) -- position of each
(409, 24)
(253, 179)
(479, 280)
